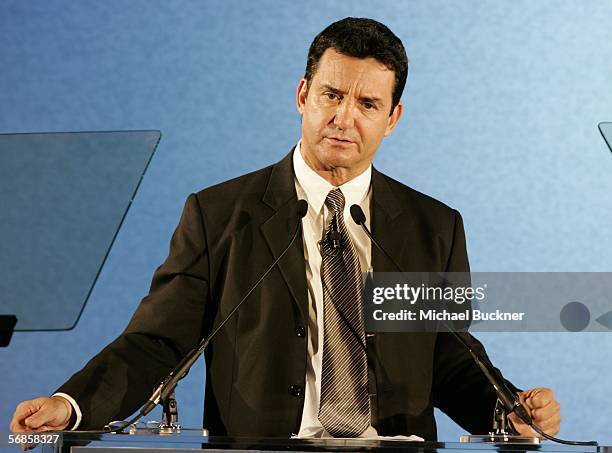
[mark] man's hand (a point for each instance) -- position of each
(42, 414)
(540, 403)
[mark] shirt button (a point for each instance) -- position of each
(296, 390)
(301, 332)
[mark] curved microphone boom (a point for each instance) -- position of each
(169, 383)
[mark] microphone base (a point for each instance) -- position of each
(173, 428)
(492, 438)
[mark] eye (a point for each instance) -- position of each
(332, 96)
(368, 105)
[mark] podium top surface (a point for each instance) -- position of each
(193, 440)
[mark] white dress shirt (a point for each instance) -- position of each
(314, 189)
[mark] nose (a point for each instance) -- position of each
(345, 115)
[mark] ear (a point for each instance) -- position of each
(302, 93)
(394, 118)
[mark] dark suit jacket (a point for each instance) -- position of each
(256, 366)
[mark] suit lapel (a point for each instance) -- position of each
(390, 225)
(277, 230)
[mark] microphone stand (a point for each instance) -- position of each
(170, 424)
(500, 420)
(164, 392)
(502, 431)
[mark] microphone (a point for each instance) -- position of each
(301, 209)
(180, 371)
(335, 238)
(332, 238)
(507, 397)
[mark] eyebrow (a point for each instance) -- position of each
(375, 100)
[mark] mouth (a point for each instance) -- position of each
(339, 141)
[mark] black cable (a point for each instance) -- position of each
(537, 429)
(109, 430)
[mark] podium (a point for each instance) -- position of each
(192, 441)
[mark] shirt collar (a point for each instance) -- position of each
(316, 188)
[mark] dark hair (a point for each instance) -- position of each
(362, 38)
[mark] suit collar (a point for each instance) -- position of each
(281, 186)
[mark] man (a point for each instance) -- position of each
(295, 359)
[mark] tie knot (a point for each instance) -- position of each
(335, 201)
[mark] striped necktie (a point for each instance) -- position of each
(344, 409)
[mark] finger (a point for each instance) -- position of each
(551, 426)
(41, 429)
(16, 426)
(540, 397)
(22, 411)
(524, 400)
(547, 412)
(47, 414)
(27, 408)
(523, 397)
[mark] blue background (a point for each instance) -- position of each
(503, 99)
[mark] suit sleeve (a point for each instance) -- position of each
(460, 388)
(166, 325)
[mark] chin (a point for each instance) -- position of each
(334, 156)
(340, 162)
